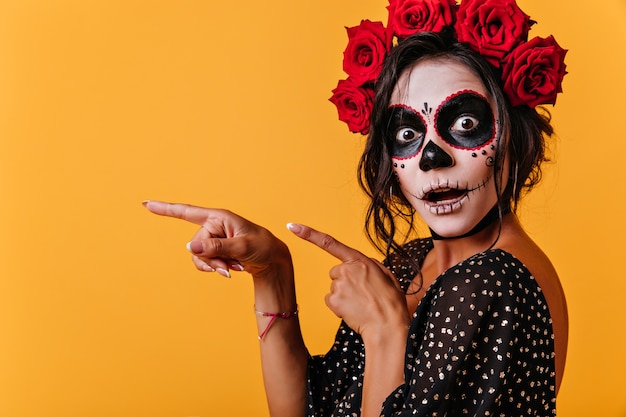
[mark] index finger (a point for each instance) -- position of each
(193, 214)
(326, 242)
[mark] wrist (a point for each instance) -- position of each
(278, 266)
(385, 353)
(274, 286)
(273, 317)
(386, 337)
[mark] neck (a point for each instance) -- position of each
(448, 252)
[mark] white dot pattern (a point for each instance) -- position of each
(480, 344)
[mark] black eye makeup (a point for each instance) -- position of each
(407, 128)
(465, 120)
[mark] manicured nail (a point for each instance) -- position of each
(145, 203)
(208, 268)
(223, 272)
(194, 247)
(237, 267)
(294, 227)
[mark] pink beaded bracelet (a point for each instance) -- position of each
(274, 316)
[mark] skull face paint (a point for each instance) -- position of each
(409, 129)
(444, 161)
(465, 120)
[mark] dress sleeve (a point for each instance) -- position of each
(480, 344)
(335, 380)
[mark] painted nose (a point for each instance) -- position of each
(434, 157)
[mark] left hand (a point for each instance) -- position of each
(363, 292)
(226, 241)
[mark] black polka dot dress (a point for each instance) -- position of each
(480, 344)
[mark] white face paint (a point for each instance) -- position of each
(445, 127)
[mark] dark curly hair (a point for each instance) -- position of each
(525, 129)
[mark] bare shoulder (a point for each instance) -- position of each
(515, 241)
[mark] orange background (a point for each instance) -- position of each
(105, 103)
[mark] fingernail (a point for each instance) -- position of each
(294, 227)
(237, 267)
(223, 272)
(208, 268)
(194, 247)
(145, 203)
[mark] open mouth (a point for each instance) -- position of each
(444, 195)
(445, 200)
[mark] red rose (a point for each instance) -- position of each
(354, 105)
(407, 17)
(367, 48)
(492, 27)
(533, 72)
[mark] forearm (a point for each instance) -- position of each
(226, 238)
(384, 369)
(283, 354)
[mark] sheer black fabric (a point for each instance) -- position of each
(480, 344)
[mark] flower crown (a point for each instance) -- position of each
(532, 71)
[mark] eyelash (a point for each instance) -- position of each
(463, 131)
(401, 141)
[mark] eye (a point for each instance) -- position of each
(465, 125)
(407, 135)
(466, 120)
(406, 131)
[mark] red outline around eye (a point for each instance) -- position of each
(406, 106)
(450, 97)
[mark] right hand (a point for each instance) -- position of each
(363, 292)
(227, 241)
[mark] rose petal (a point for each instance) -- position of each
(354, 105)
(368, 45)
(533, 72)
(407, 17)
(492, 27)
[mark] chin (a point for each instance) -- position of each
(453, 220)
(450, 230)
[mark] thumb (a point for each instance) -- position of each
(215, 247)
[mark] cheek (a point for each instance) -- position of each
(399, 164)
(399, 167)
(406, 170)
(484, 156)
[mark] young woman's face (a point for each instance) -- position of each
(445, 135)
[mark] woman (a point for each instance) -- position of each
(472, 321)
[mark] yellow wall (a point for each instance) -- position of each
(105, 103)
